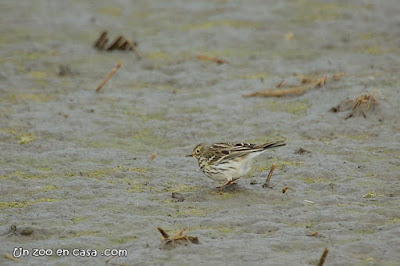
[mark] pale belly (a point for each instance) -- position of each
(229, 171)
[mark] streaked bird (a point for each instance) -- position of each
(228, 162)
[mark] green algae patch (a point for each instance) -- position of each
(295, 107)
(77, 220)
(181, 188)
(25, 138)
(25, 203)
(45, 169)
(237, 24)
(313, 180)
(48, 188)
(308, 11)
(278, 164)
(370, 195)
(123, 239)
(157, 55)
(260, 75)
(101, 173)
(26, 97)
(110, 11)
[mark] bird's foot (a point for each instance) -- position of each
(228, 183)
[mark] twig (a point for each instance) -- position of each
(278, 183)
(278, 93)
(266, 184)
(109, 75)
(107, 261)
(133, 47)
(115, 44)
(338, 76)
(100, 40)
(213, 59)
(323, 257)
(10, 257)
(280, 83)
(163, 233)
(178, 238)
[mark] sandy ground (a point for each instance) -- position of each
(75, 171)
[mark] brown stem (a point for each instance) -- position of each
(266, 184)
(163, 233)
(109, 75)
(323, 257)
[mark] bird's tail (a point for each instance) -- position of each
(273, 144)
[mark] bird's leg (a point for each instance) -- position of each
(227, 183)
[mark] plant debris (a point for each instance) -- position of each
(177, 196)
(301, 151)
(323, 257)
(109, 75)
(10, 257)
(359, 106)
(213, 59)
(176, 239)
(119, 43)
(65, 70)
(154, 155)
(285, 189)
(303, 87)
(266, 184)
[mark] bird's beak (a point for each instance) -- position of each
(189, 155)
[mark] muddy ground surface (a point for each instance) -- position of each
(75, 171)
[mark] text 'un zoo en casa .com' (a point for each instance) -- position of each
(19, 252)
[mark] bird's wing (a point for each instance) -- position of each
(220, 152)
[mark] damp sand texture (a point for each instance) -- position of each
(75, 166)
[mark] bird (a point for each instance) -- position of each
(227, 161)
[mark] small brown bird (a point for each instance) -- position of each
(227, 161)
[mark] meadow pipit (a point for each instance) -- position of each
(227, 161)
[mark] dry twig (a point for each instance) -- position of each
(305, 85)
(266, 184)
(285, 189)
(178, 238)
(109, 75)
(362, 104)
(278, 93)
(323, 257)
(10, 257)
(120, 43)
(213, 59)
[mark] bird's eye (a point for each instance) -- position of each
(197, 151)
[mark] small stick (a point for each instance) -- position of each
(266, 184)
(107, 261)
(323, 257)
(277, 183)
(123, 45)
(133, 47)
(104, 43)
(154, 155)
(278, 93)
(213, 59)
(163, 233)
(179, 233)
(115, 44)
(100, 39)
(280, 83)
(338, 76)
(109, 75)
(285, 189)
(10, 257)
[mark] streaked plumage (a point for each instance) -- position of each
(227, 161)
